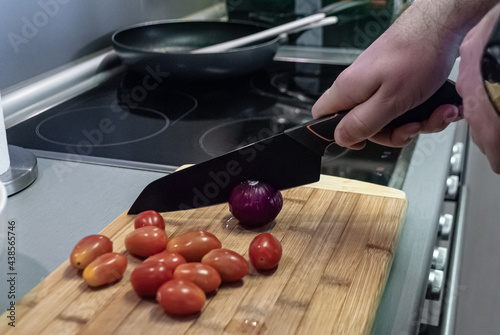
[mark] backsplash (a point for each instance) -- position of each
(40, 35)
(357, 27)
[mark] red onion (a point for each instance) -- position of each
(255, 203)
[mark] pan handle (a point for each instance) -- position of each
(325, 22)
(284, 28)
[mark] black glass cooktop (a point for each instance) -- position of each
(150, 121)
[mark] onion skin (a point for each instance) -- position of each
(255, 203)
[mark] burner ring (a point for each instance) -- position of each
(295, 86)
(102, 126)
(235, 134)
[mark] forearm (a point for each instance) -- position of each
(400, 70)
(443, 23)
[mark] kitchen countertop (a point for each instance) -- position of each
(67, 201)
(70, 200)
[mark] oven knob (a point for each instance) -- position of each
(452, 183)
(457, 158)
(456, 161)
(458, 148)
(456, 164)
(435, 284)
(445, 225)
(439, 258)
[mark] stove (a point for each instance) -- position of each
(149, 121)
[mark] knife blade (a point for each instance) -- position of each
(286, 160)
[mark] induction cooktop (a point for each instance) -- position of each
(160, 124)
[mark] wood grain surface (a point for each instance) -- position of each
(338, 239)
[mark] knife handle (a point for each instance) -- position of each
(318, 134)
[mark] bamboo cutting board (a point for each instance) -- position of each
(338, 238)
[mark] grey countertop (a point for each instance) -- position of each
(67, 201)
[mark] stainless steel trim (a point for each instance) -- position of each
(29, 92)
(22, 172)
(68, 158)
(28, 99)
(452, 285)
(317, 55)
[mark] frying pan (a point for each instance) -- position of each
(167, 47)
(164, 46)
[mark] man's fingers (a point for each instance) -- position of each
(438, 121)
(346, 93)
(357, 146)
(398, 137)
(367, 119)
(441, 118)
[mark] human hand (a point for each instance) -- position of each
(400, 70)
(482, 118)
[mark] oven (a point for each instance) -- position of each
(96, 112)
(443, 287)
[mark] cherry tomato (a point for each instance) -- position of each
(180, 297)
(146, 241)
(88, 249)
(203, 275)
(149, 218)
(230, 265)
(105, 269)
(194, 244)
(171, 259)
(147, 277)
(265, 251)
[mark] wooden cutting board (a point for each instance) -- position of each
(338, 238)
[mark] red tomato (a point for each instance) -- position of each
(203, 275)
(230, 265)
(88, 249)
(105, 269)
(146, 241)
(171, 259)
(149, 218)
(180, 297)
(147, 277)
(194, 244)
(265, 251)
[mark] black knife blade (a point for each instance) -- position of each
(286, 160)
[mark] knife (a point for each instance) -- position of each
(286, 160)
